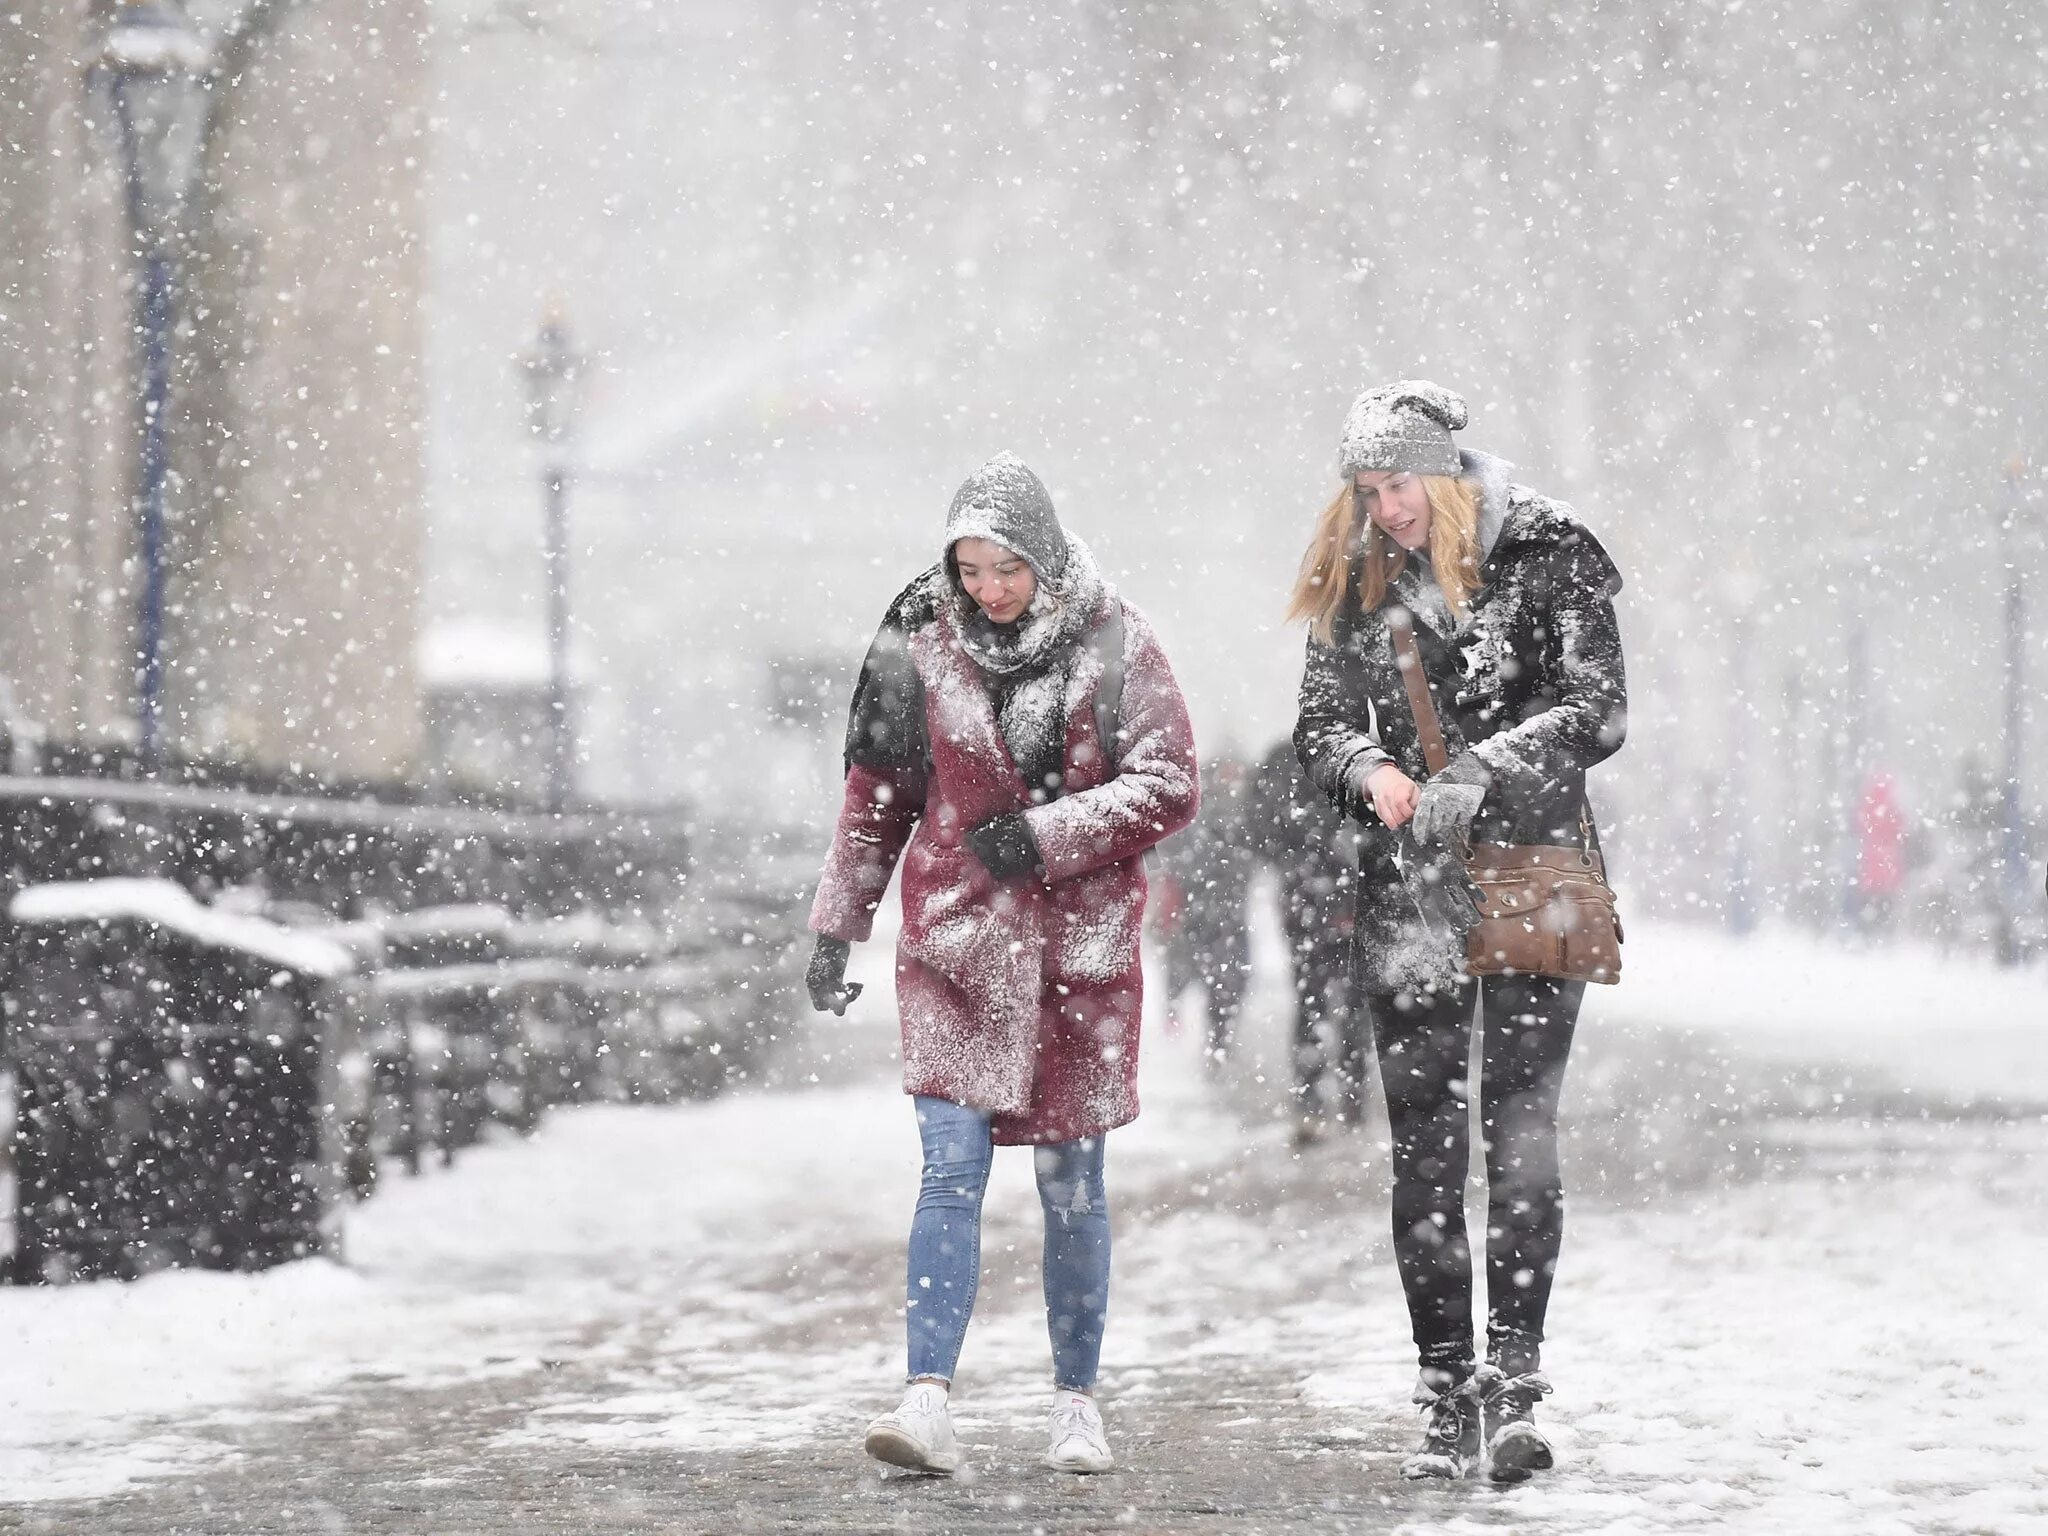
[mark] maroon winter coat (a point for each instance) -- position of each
(1020, 998)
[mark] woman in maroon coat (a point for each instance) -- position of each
(1018, 742)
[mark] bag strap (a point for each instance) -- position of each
(1401, 625)
(1107, 641)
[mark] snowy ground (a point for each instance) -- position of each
(1947, 1026)
(1778, 1311)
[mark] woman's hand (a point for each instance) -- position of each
(1393, 794)
(1004, 845)
(1450, 800)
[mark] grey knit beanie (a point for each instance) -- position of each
(1402, 426)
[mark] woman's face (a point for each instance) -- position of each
(1396, 501)
(999, 579)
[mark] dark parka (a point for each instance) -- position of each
(1532, 683)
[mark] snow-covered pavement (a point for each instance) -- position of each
(1807, 1316)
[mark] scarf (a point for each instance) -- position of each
(1028, 665)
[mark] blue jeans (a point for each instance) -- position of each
(945, 1244)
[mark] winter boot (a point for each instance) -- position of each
(919, 1434)
(1076, 1442)
(1515, 1447)
(1450, 1428)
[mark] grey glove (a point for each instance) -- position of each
(826, 977)
(1445, 898)
(1444, 811)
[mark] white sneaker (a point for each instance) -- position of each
(1077, 1443)
(919, 1434)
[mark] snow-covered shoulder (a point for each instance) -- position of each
(1156, 788)
(1536, 522)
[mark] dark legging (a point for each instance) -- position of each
(1425, 1053)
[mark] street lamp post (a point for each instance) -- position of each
(1860, 724)
(1744, 592)
(153, 62)
(1851, 565)
(554, 377)
(2012, 859)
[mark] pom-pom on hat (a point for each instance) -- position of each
(1404, 426)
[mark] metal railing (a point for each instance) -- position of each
(229, 1010)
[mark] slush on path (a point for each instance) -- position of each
(1797, 1301)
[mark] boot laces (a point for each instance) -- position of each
(1512, 1397)
(1446, 1412)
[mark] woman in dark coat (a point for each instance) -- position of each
(1512, 602)
(1018, 741)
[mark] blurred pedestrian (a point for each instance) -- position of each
(1206, 925)
(1880, 854)
(1018, 741)
(1313, 851)
(1510, 598)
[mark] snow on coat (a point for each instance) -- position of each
(1532, 683)
(1020, 998)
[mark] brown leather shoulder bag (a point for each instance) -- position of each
(1544, 910)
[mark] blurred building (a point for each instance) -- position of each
(485, 706)
(1151, 253)
(295, 420)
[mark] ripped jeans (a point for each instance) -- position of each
(945, 1244)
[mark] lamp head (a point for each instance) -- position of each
(154, 62)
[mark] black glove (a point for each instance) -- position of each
(1448, 802)
(826, 977)
(1004, 844)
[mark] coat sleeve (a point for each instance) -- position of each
(1333, 730)
(1584, 717)
(885, 727)
(886, 771)
(1155, 790)
(876, 818)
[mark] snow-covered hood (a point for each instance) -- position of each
(1005, 503)
(1527, 518)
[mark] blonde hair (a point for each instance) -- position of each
(1345, 540)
